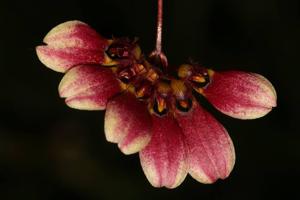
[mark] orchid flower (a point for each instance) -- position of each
(150, 107)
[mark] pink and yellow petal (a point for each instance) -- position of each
(240, 94)
(75, 33)
(211, 153)
(164, 158)
(72, 43)
(88, 87)
(128, 123)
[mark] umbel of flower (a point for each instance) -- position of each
(150, 111)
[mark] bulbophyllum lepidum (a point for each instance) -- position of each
(150, 107)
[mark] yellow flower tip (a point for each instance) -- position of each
(184, 70)
(163, 88)
(210, 72)
(141, 92)
(200, 91)
(108, 61)
(199, 79)
(137, 52)
(109, 42)
(178, 87)
(123, 86)
(184, 104)
(161, 104)
(152, 76)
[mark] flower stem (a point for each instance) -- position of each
(157, 54)
(159, 25)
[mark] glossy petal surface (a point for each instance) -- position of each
(240, 94)
(128, 123)
(71, 43)
(210, 150)
(88, 87)
(164, 158)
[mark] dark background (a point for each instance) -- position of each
(49, 151)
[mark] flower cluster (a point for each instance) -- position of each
(151, 110)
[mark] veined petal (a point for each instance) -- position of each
(72, 43)
(210, 150)
(128, 123)
(240, 94)
(88, 87)
(164, 158)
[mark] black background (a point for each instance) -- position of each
(49, 151)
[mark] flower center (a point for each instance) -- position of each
(145, 79)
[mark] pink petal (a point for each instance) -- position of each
(71, 43)
(128, 123)
(210, 150)
(164, 158)
(240, 94)
(88, 87)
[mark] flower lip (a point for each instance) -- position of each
(184, 105)
(126, 75)
(144, 90)
(160, 107)
(123, 48)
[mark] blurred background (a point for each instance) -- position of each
(50, 151)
